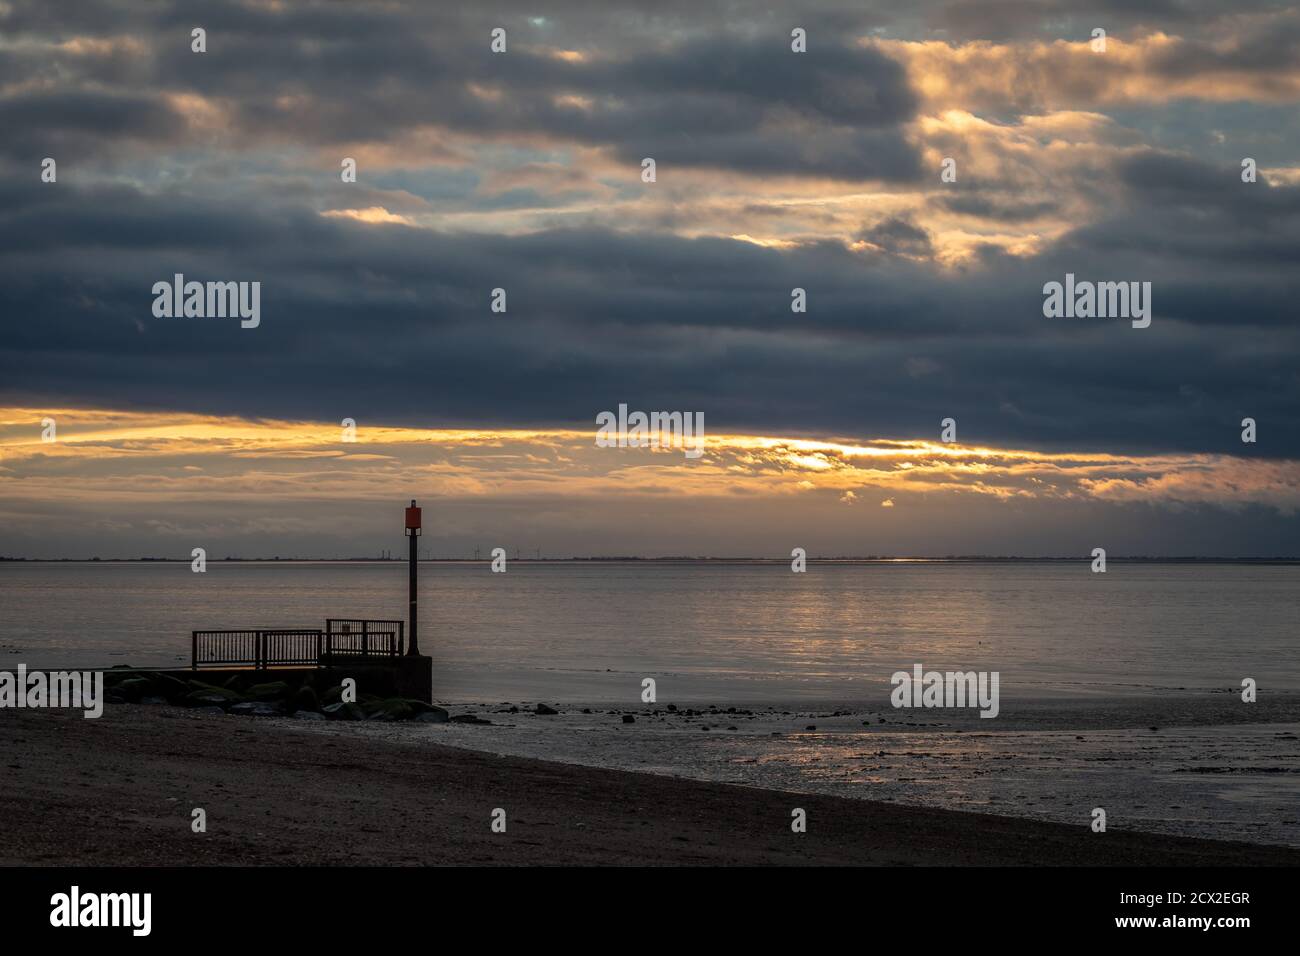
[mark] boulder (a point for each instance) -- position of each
(434, 715)
(153, 700)
(203, 698)
(133, 688)
(224, 693)
(468, 719)
(164, 685)
(308, 715)
(629, 719)
(305, 698)
(393, 709)
(342, 711)
(545, 711)
(273, 690)
(251, 708)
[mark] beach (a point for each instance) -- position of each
(762, 679)
(120, 790)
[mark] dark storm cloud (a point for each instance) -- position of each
(78, 123)
(1182, 218)
(1001, 208)
(1003, 20)
(387, 323)
(391, 324)
(899, 236)
(325, 75)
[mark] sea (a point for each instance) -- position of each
(1120, 690)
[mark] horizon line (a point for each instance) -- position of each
(879, 558)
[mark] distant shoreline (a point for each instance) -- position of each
(614, 559)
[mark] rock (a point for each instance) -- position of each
(308, 715)
(468, 719)
(133, 688)
(197, 686)
(164, 685)
(305, 698)
(389, 710)
(344, 711)
(153, 701)
(251, 708)
(811, 727)
(209, 712)
(203, 698)
(629, 719)
(672, 707)
(434, 715)
(545, 711)
(273, 690)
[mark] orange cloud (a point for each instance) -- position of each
(105, 455)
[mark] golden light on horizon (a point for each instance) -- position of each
(108, 453)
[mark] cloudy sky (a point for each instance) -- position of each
(522, 170)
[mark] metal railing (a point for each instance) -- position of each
(350, 639)
(362, 637)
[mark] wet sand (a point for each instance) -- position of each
(1191, 764)
(120, 791)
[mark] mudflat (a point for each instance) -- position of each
(121, 790)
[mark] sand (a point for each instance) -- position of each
(120, 791)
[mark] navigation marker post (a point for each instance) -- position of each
(412, 599)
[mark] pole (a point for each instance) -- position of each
(413, 567)
(412, 590)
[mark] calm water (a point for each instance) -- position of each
(1118, 690)
(736, 633)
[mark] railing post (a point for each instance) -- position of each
(194, 650)
(365, 638)
(259, 652)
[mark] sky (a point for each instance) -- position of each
(774, 170)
